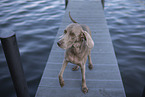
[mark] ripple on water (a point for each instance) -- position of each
(36, 23)
(127, 28)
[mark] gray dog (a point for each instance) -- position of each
(78, 43)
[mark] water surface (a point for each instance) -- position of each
(36, 23)
(126, 21)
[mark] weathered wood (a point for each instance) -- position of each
(66, 2)
(103, 2)
(12, 55)
(104, 80)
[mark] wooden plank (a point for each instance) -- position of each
(71, 83)
(75, 92)
(104, 80)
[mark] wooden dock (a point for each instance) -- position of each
(105, 79)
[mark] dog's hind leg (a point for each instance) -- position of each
(75, 68)
(90, 61)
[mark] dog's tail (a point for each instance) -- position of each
(72, 18)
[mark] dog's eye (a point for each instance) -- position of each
(65, 31)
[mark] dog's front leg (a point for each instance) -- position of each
(90, 62)
(84, 86)
(61, 81)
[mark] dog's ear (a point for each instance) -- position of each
(82, 36)
(88, 38)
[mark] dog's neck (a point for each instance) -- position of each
(77, 52)
(78, 47)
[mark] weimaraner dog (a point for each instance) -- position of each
(78, 43)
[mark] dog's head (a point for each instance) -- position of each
(73, 34)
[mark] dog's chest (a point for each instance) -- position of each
(76, 57)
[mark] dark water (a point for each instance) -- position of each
(126, 21)
(36, 23)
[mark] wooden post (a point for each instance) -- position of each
(103, 3)
(143, 93)
(12, 55)
(66, 2)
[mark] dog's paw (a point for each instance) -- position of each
(90, 66)
(75, 68)
(61, 82)
(84, 90)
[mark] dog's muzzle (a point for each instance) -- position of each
(59, 43)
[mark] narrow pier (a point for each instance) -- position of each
(105, 79)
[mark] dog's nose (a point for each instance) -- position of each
(58, 43)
